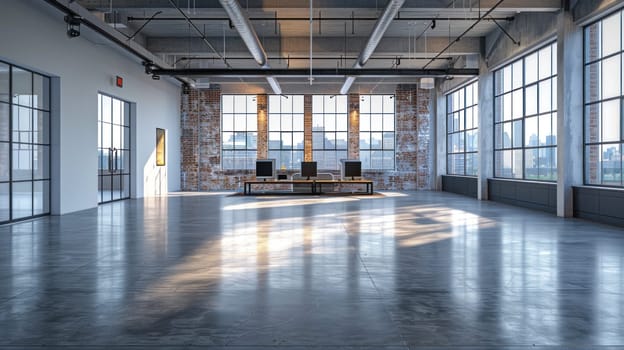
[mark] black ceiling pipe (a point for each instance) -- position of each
(328, 72)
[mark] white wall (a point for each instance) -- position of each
(32, 34)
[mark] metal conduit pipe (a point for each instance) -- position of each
(201, 34)
(378, 32)
(250, 38)
(105, 31)
(464, 33)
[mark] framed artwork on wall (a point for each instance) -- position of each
(160, 147)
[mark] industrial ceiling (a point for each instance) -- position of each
(304, 45)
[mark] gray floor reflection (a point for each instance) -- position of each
(394, 271)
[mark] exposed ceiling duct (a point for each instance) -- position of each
(250, 38)
(378, 32)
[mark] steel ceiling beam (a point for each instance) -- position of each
(320, 19)
(304, 72)
(429, 5)
(299, 46)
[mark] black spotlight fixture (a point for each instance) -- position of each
(433, 24)
(155, 77)
(73, 25)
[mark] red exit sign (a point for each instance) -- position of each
(119, 81)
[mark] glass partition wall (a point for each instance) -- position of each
(24, 144)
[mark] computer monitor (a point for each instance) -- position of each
(265, 169)
(308, 169)
(351, 168)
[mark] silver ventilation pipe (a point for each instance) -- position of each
(250, 38)
(379, 30)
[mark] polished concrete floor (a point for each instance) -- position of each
(417, 270)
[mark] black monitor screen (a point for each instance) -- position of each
(264, 168)
(308, 169)
(352, 168)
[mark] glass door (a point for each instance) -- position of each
(113, 149)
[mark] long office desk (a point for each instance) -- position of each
(316, 186)
(274, 183)
(319, 184)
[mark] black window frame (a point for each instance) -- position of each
(588, 103)
(249, 160)
(552, 112)
(31, 144)
(463, 129)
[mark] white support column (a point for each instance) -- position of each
(569, 112)
(486, 130)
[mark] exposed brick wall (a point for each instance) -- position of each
(209, 137)
(201, 141)
(263, 126)
(307, 127)
(189, 139)
(354, 126)
(414, 149)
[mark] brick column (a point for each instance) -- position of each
(263, 127)
(200, 139)
(353, 151)
(424, 148)
(210, 139)
(189, 121)
(307, 127)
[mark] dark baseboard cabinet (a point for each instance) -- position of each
(533, 195)
(463, 185)
(599, 204)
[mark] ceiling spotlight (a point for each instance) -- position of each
(156, 77)
(433, 24)
(73, 25)
(149, 67)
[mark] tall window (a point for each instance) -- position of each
(24, 144)
(604, 127)
(239, 131)
(525, 117)
(377, 132)
(462, 131)
(329, 130)
(286, 130)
